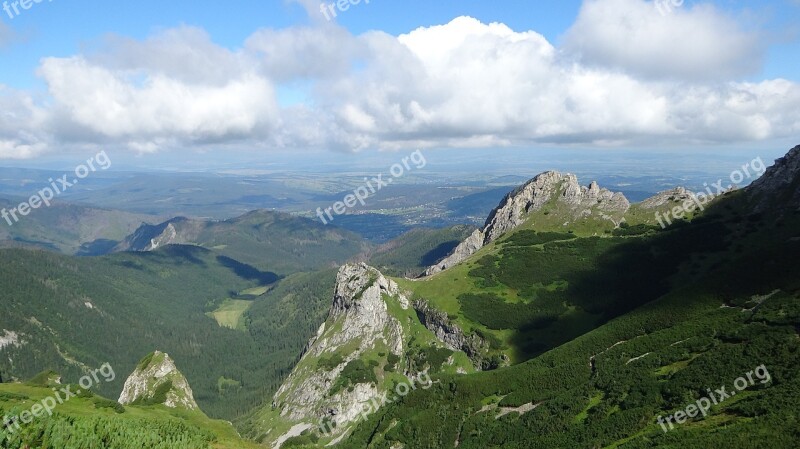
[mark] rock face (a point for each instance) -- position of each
(368, 327)
(9, 338)
(561, 191)
(451, 335)
(151, 237)
(359, 319)
(157, 381)
(779, 187)
(667, 198)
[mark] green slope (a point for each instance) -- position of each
(410, 254)
(71, 313)
(270, 241)
(69, 228)
(93, 421)
(728, 289)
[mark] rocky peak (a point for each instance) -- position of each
(151, 237)
(359, 320)
(571, 199)
(666, 198)
(372, 334)
(156, 380)
(780, 184)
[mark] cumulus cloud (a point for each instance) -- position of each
(473, 84)
(175, 89)
(305, 52)
(185, 54)
(641, 37)
(460, 84)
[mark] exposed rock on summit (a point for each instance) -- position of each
(361, 348)
(779, 187)
(561, 191)
(359, 318)
(157, 380)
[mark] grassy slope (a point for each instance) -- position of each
(231, 312)
(652, 361)
(69, 228)
(79, 412)
(410, 254)
(145, 302)
(270, 241)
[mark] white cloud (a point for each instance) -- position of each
(304, 52)
(639, 37)
(468, 83)
(144, 105)
(185, 54)
(461, 84)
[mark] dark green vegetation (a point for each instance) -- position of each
(89, 421)
(612, 332)
(270, 241)
(68, 228)
(696, 306)
(355, 372)
(74, 312)
(410, 254)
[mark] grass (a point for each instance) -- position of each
(230, 313)
(255, 291)
(77, 408)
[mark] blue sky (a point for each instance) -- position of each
(712, 54)
(64, 27)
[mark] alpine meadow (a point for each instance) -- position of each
(288, 224)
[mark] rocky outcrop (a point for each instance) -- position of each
(372, 334)
(9, 338)
(360, 321)
(562, 191)
(779, 187)
(666, 198)
(151, 237)
(157, 381)
(450, 334)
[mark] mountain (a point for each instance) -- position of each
(86, 419)
(69, 228)
(157, 380)
(372, 340)
(561, 201)
(779, 188)
(598, 337)
(571, 319)
(411, 253)
(270, 241)
(70, 314)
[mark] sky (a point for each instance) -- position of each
(225, 81)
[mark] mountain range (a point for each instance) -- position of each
(572, 318)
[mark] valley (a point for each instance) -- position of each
(570, 319)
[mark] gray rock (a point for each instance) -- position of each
(779, 186)
(573, 200)
(144, 381)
